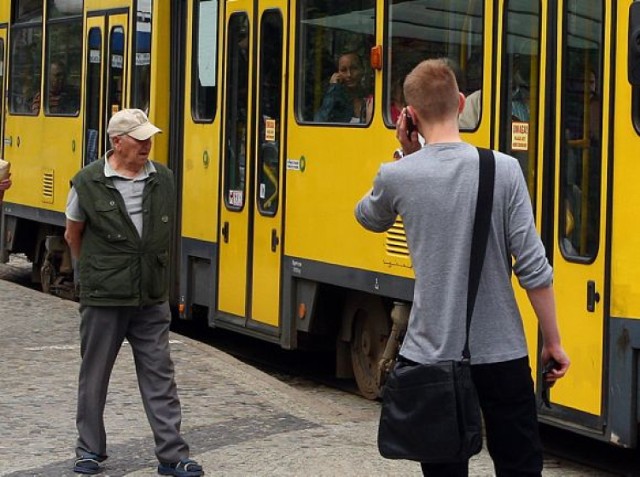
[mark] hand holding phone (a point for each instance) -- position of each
(546, 385)
(404, 133)
(409, 125)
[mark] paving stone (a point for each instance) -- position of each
(238, 420)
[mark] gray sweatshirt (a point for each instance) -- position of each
(434, 191)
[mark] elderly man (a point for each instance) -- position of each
(120, 214)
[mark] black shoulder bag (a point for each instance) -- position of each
(430, 412)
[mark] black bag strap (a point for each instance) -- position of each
(481, 225)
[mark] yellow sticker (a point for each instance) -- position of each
(270, 130)
(519, 136)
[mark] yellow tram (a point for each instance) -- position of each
(267, 244)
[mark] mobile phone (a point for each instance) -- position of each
(551, 364)
(409, 124)
(546, 387)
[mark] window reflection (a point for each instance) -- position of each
(141, 78)
(268, 167)
(419, 30)
(64, 59)
(336, 80)
(26, 58)
(580, 166)
(93, 95)
(203, 74)
(116, 61)
(521, 65)
(236, 115)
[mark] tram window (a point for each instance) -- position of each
(141, 75)
(27, 10)
(335, 82)
(520, 91)
(268, 169)
(25, 67)
(203, 67)
(116, 70)
(420, 30)
(58, 9)
(93, 95)
(116, 62)
(64, 57)
(236, 111)
(580, 161)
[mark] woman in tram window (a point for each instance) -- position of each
(346, 100)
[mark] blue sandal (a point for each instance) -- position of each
(184, 468)
(87, 464)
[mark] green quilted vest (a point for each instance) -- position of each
(117, 266)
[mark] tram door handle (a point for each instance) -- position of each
(275, 241)
(593, 296)
(225, 232)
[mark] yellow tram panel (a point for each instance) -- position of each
(334, 165)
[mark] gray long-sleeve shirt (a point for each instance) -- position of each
(435, 192)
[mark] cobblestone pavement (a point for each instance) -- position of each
(239, 421)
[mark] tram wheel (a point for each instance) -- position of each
(370, 333)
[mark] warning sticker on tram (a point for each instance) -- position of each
(519, 136)
(235, 198)
(270, 130)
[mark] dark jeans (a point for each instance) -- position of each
(510, 418)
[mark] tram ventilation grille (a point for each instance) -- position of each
(47, 186)
(396, 241)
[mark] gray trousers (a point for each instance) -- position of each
(102, 332)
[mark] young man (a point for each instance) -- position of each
(434, 189)
(120, 215)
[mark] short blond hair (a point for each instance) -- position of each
(432, 90)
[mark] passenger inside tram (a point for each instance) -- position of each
(520, 109)
(582, 172)
(23, 100)
(62, 98)
(346, 99)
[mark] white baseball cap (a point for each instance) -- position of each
(131, 122)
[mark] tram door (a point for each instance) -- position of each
(522, 117)
(580, 202)
(566, 178)
(251, 199)
(105, 85)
